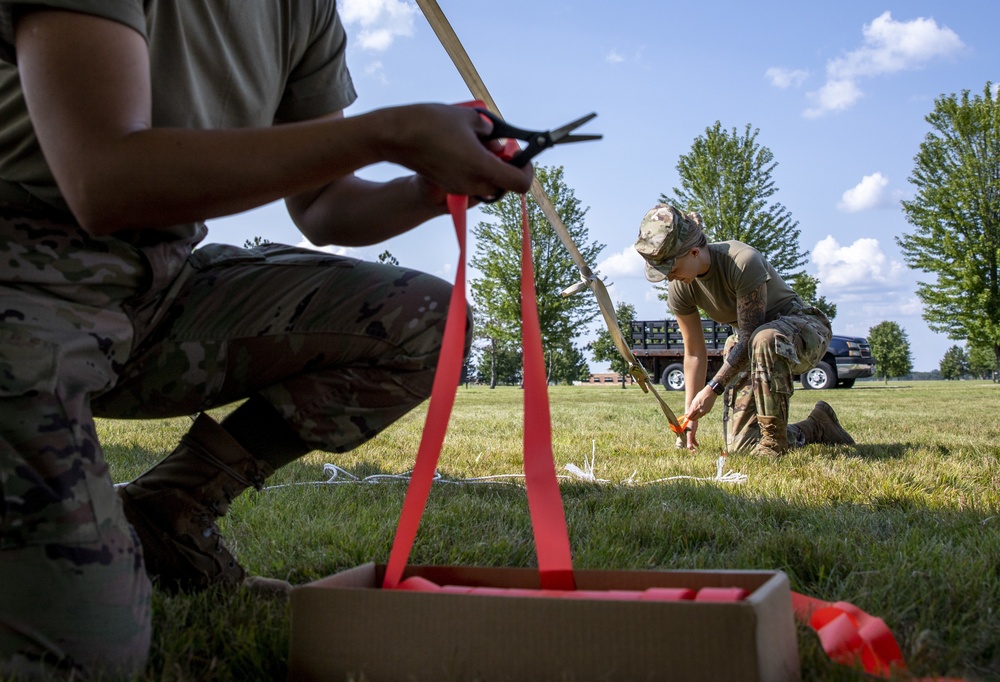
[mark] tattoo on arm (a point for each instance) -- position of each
(750, 311)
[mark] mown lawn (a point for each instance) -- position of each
(906, 525)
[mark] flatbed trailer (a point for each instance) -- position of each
(659, 346)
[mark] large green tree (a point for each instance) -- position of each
(498, 362)
(956, 216)
(954, 364)
(603, 347)
(891, 350)
(982, 362)
(568, 365)
(727, 178)
(497, 293)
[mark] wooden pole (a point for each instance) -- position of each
(453, 46)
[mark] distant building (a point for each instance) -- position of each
(605, 379)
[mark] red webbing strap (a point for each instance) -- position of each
(446, 379)
(850, 636)
(548, 518)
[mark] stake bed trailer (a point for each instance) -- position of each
(658, 345)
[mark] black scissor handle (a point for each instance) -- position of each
(536, 140)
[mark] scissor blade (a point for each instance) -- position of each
(579, 138)
(559, 133)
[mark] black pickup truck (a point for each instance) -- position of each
(658, 345)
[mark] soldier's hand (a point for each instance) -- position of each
(702, 404)
(692, 438)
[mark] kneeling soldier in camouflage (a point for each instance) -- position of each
(123, 127)
(777, 335)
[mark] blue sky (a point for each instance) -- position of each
(839, 93)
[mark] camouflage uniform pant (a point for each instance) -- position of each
(790, 345)
(340, 347)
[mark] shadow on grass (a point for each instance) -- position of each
(927, 571)
(887, 451)
(873, 452)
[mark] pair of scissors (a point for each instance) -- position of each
(538, 140)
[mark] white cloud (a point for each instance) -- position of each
(835, 95)
(633, 56)
(860, 267)
(867, 287)
(628, 263)
(376, 70)
(348, 251)
(652, 295)
(889, 47)
(870, 193)
(885, 305)
(447, 272)
(381, 21)
(892, 46)
(786, 78)
(911, 307)
(614, 57)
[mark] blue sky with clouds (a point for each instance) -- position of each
(838, 91)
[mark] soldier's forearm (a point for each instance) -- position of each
(735, 362)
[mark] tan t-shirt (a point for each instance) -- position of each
(736, 270)
(214, 64)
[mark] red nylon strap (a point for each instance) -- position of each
(446, 380)
(548, 518)
(850, 636)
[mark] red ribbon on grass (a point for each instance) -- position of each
(850, 636)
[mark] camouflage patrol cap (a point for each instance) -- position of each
(664, 234)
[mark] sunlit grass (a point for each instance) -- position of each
(906, 525)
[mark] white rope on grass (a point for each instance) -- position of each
(720, 477)
(335, 473)
(587, 473)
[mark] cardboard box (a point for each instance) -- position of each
(344, 627)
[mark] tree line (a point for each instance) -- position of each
(890, 346)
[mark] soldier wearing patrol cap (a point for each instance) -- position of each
(777, 334)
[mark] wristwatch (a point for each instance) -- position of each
(717, 388)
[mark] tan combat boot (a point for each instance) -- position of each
(773, 437)
(822, 426)
(173, 507)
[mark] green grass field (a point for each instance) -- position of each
(906, 525)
